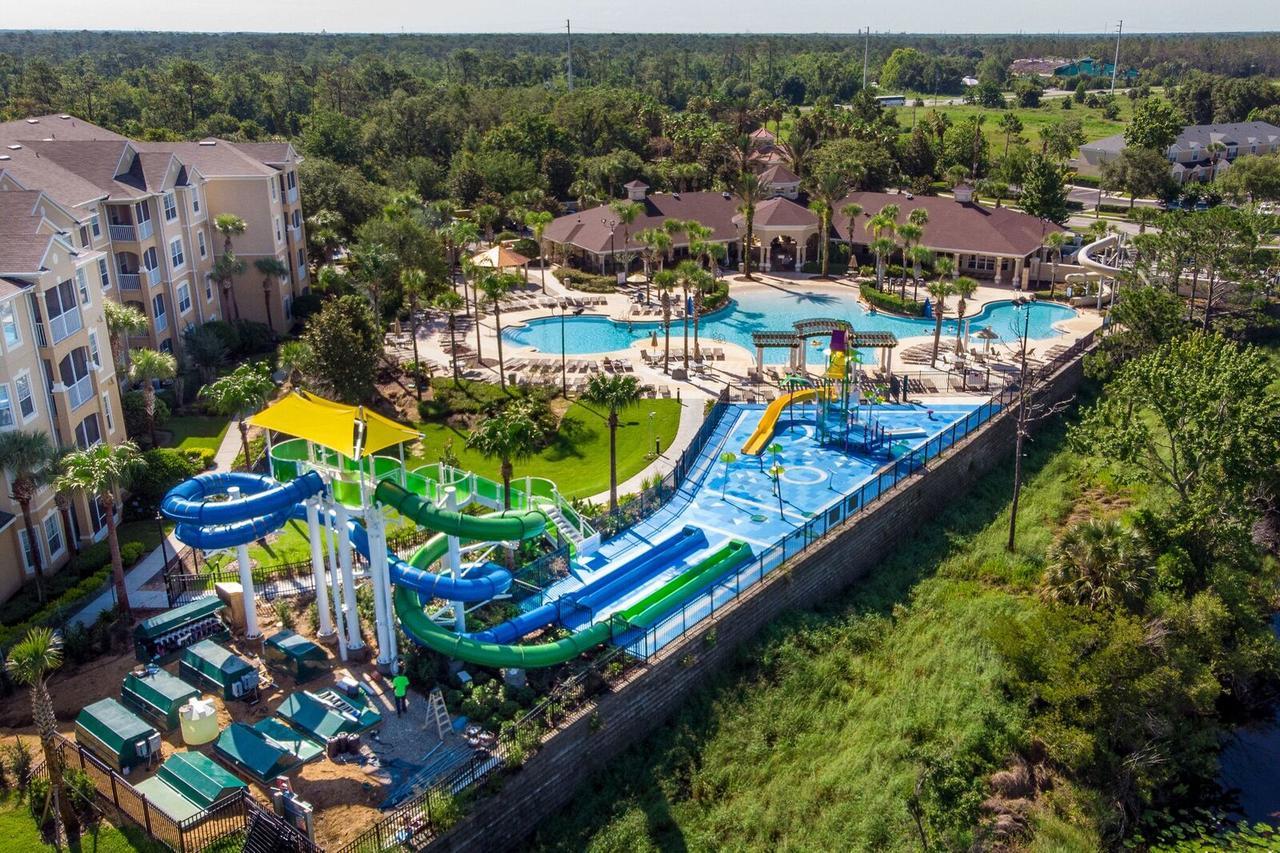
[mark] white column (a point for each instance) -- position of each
(453, 561)
(251, 631)
(376, 527)
(325, 627)
(348, 580)
(334, 575)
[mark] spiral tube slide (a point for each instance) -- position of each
(502, 526)
(419, 627)
(417, 575)
(208, 524)
(612, 586)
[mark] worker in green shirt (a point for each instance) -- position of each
(400, 684)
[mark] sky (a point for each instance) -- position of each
(718, 16)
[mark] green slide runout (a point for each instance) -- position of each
(505, 526)
(684, 586)
(642, 614)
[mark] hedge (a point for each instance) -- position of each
(891, 302)
(587, 282)
(1090, 181)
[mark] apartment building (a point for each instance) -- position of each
(56, 369)
(1202, 152)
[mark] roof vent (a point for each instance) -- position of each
(33, 121)
(64, 116)
(675, 195)
(725, 196)
(209, 142)
(5, 157)
(14, 147)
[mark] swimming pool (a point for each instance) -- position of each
(756, 311)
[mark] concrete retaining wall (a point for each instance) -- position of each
(622, 718)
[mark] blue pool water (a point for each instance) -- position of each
(780, 310)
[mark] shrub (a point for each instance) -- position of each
(38, 801)
(526, 246)
(587, 282)
(891, 301)
(717, 297)
(132, 552)
(254, 337)
(162, 468)
(135, 413)
(228, 333)
(90, 559)
(305, 305)
(284, 613)
(82, 791)
(1084, 180)
(201, 457)
(19, 758)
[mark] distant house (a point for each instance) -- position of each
(1201, 152)
(1036, 66)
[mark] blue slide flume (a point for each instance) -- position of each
(206, 520)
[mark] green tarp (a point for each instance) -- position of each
(163, 623)
(209, 662)
(167, 799)
(253, 753)
(302, 746)
(306, 713)
(157, 696)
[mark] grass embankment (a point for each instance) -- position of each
(18, 832)
(1033, 119)
(194, 432)
(818, 736)
(577, 457)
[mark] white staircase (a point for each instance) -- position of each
(582, 544)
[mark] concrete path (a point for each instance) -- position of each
(141, 575)
(229, 449)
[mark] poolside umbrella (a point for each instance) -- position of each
(728, 458)
(987, 337)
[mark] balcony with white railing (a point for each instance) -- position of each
(79, 393)
(129, 281)
(123, 232)
(292, 196)
(65, 324)
(154, 277)
(145, 229)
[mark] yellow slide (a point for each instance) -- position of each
(764, 431)
(836, 369)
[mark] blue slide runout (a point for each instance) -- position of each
(209, 524)
(628, 576)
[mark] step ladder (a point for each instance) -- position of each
(567, 531)
(438, 714)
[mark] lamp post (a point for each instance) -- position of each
(652, 440)
(611, 224)
(564, 374)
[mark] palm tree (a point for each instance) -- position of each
(294, 358)
(512, 434)
(460, 233)
(919, 256)
(1054, 243)
(495, 285)
(146, 367)
(1095, 564)
(538, 220)
(122, 321)
(29, 663)
(615, 393)
(324, 232)
(826, 188)
(851, 212)
(963, 287)
(665, 281)
(822, 210)
(750, 193)
(939, 290)
(413, 284)
(627, 212)
(271, 268)
(449, 302)
(657, 242)
(228, 266)
(239, 394)
(487, 216)
(911, 235)
(26, 457)
(690, 277)
(372, 264)
(882, 246)
(100, 473)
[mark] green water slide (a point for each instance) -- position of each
(506, 526)
(642, 614)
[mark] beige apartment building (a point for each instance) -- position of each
(56, 369)
(131, 221)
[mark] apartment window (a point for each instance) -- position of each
(9, 326)
(157, 307)
(170, 207)
(166, 345)
(144, 213)
(273, 191)
(22, 390)
(204, 250)
(293, 180)
(6, 406)
(106, 413)
(53, 534)
(84, 236)
(94, 354)
(195, 199)
(184, 298)
(149, 258)
(95, 226)
(28, 555)
(288, 307)
(208, 289)
(74, 370)
(82, 284)
(176, 253)
(278, 235)
(97, 515)
(302, 261)
(88, 432)
(297, 218)
(104, 274)
(62, 310)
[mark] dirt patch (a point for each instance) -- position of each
(1097, 502)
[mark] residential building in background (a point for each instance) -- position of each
(56, 370)
(1201, 152)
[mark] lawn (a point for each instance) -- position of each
(818, 736)
(1033, 119)
(18, 831)
(577, 458)
(190, 432)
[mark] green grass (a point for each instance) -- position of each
(191, 432)
(18, 831)
(817, 736)
(1033, 119)
(577, 459)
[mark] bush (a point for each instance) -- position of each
(38, 801)
(717, 297)
(162, 468)
(19, 758)
(135, 413)
(132, 552)
(1084, 180)
(587, 282)
(891, 301)
(254, 337)
(305, 305)
(284, 613)
(90, 559)
(526, 246)
(201, 457)
(227, 332)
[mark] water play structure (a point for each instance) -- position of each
(331, 475)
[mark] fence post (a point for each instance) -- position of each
(115, 797)
(146, 817)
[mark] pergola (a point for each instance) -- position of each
(501, 258)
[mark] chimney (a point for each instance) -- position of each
(963, 193)
(636, 190)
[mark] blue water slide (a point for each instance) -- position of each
(208, 521)
(610, 587)
(480, 585)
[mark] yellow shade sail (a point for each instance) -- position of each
(353, 431)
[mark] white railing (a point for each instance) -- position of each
(144, 229)
(129, 281)
(123, 232)
(65, 324)
(292, 196)
(80, 393)
(153, 277)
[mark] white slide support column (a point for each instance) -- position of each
(334, 578)
(375, 525)
(251, 631)
(315, 534)
(348, 579)
(453, 561)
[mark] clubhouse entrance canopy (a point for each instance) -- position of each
(500, 258)
(353, 431)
